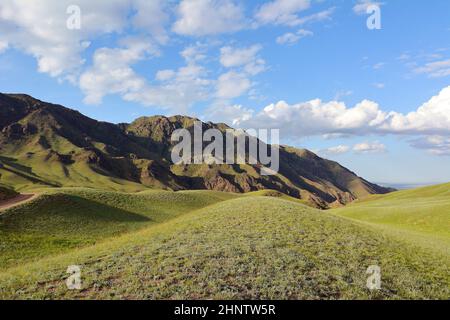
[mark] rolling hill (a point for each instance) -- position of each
(205, 245)
(6, 193)
(43, 144)
(420, 216)
(110, 201)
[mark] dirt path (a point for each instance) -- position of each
(21, 198)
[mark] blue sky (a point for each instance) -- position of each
(311, 68)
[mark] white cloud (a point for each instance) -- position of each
(291, 38)
(3, 46)
(232, 85)
(236, 57)
(39, 28)
(316, 117)
(244, 63)
(281, 11)
(316, 17)
(247, 58)
(379, 65)
(379, 85)
(152, 17)
(112, 73)
(231, 115)
(436, 69)
(165, 75)
(340, 149)
(437, 145)
(208, 17)
(179, 89)
(361, 7)
(360, 148)
(369, 147)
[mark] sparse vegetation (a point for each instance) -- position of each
(101, 205)
(64, 219)
(227, 248)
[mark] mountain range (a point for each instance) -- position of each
(48, 145)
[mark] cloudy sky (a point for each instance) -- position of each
(376, 100)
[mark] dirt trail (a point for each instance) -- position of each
(21, 198)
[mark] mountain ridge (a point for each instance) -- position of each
(45, 144)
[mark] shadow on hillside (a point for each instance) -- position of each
(65, 209)
(100, 211)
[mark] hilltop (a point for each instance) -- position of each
(43, 144)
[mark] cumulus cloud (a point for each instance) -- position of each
(433, 117)
(337, 150)
(165, 75)
(112, 73)
(316, 117)
(291, 38)
(369, 147)
(359, 148)
(208, 17)
(232, 85)
(236, 57)
(229, 114)
(39, 28)
(247, 58)
(430, 123)
(437, 145)
(244, 63)
(155, 25)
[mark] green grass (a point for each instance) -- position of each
(6, 193)
(420, 216)
(233, 248)
(37, 172)
(63, 219)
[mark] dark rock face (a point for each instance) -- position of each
(140, 152)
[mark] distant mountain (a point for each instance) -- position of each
(50, 145)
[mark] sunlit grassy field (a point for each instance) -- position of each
(420, 216)
(63, 219)
(205, 245)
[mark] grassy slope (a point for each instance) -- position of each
(36, 172)
(248, 247)
(62, 219)
(6, 193)
(421, 216)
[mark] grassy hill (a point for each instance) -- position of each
(203, 244)
(6, 193)
(43, 144)
(63, 219)
(420, 216)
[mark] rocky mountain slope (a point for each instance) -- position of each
(50, 145)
